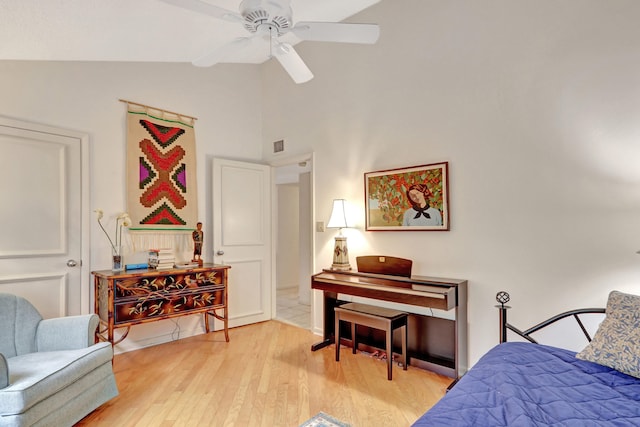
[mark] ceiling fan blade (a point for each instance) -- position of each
(292, 63)
(221, 53)
(337, 32)
(207, 9)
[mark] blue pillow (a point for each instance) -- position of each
(616, 343)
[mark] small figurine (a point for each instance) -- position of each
(198, 237)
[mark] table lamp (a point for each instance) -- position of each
(340, 252)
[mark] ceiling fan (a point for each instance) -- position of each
(271, 19)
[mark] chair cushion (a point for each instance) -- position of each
(34, 377)
(18, 323)
(4, 372)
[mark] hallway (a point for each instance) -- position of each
(289, 309)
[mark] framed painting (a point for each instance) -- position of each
(408, 199)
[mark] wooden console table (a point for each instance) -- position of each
(140, 296)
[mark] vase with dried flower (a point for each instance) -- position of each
(122, 220)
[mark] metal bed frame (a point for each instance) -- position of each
(503, 297)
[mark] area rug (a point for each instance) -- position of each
(323, 420)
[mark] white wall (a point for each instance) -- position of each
(287, 252)
(84, 96)
(535, 106)
(305, 242)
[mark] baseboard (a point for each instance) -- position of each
(132, 344)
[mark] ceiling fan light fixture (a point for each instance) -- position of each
(270, 19)
(258, 13)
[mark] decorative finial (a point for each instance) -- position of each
(502, 297)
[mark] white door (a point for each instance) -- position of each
(41, 217)
(242, 237)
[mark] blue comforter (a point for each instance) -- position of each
(523, 384)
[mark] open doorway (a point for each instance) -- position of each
(293, 243)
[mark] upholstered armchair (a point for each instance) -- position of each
(51, 372)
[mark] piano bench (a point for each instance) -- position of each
(374, 317)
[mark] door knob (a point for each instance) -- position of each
(72, 263)
(220, 253)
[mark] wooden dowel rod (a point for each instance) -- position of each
(157, 109)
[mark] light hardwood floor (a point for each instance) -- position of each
(266, 375)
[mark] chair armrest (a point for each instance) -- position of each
(4, 372)
(66, 333)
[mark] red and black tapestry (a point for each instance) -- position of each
(161, 171)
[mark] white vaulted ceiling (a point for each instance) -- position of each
(137, 30)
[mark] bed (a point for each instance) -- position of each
(531, 384)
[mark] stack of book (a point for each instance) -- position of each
(161, 259)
